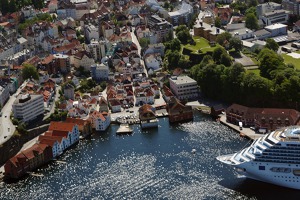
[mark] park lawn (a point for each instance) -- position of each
(290, 59)
(202, 44)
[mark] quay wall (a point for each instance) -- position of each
(12, 146)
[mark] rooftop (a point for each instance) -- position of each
(182, 80)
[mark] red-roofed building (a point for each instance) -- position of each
(100, 121)
(178, 112)
(147, 116)
(54, 142)
(65, 129)
(85, 126)
(28, 160)
(262, 118)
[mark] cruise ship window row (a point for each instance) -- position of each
(283, 150)
(280, 154)
(277, 160)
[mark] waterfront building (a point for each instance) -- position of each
(27, 107)
(147, 116)
(53, 142)
(65, 129)
(100, 121)
(84, 126)
(178, 112)
(28, 160)
(184, 87)
(262, 118)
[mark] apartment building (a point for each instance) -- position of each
(183, 15)
(27, 107)
(184, 87)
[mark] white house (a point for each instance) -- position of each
(277, 29)
(83, 59)
(242, 33)
(153, 61)
(97, 49)
(100, 121)
(99, 72)
(144, 96)
(115, 105)
(91, 32)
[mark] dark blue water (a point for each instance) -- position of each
(152, 164)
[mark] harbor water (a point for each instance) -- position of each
(170, 162)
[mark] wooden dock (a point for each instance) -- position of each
(124, 129)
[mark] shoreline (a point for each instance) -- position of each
(245, 132)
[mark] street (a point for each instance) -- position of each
(7, 129)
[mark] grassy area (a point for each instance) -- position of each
(255, 71)
(202, 44)
(290, 59)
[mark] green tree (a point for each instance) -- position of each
(251, 10)
(217, 53)
(38, 4)
(172, 58)
(225, 59)
(252, 3)
(144, 42)
(12, 6)
(251, 21)
(183, 34)
(271, 44)
(235, 43)
(173, 45)
(210, 80)
(268, 62)
(218, 22)
(256, 90)
(4, 7)
(30, 71)
(221, 38)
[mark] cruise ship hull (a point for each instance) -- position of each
(263, 172)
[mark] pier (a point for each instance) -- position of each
(245, 132)
(124, 129)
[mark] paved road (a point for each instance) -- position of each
(6, 127)
(135, 40)
(56, 97)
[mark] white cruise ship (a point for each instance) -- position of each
(273, 158)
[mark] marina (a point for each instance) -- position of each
(149, 164)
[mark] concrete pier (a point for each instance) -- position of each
(245, 132)
(124, 129)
